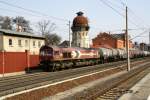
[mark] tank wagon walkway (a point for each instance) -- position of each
(140, 91)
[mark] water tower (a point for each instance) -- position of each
(80, 30)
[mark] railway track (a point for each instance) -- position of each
(23, 82)
(116, 87)
(116, 92)
(31, 75)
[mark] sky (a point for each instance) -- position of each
(102, 18)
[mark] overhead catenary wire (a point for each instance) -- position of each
(131, 11)
(110, 6)
(35, 12)
(116, 5)
(17, 12)
(130, 21)
(124, 4)
(140, 19)
(60, 19)
(32, 11)
(104, 2)
(12, 11)
(137, 17)
(140, 34)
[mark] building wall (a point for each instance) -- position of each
(1, 62)
(1, 42)
(15, 47)
(15, 57)
(120, 44)
(104, 39)
(130, 44)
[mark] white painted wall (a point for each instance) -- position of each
(81, 39)
(15, 47)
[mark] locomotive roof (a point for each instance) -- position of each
(59, 47)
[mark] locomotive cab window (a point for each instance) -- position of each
(56, 52)
(67, 55)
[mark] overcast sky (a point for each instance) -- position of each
(101, 17)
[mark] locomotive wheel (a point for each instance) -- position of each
(48, 68)
(62, 66)
(53, 68)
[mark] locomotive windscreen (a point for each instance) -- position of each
(46, 52)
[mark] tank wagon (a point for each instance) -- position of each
(56, 58)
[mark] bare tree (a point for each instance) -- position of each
(52, 39)
(25, 24)
(5, 22)
(46, 28)
(1, 19)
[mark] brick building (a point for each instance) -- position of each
(144, 46)
(110, 40)
(18, 51)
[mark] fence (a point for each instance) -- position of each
(17, 61)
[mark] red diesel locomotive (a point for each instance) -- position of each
(55, 58)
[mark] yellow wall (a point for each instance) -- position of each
(1, 42)
(17, 48)
(120, 44)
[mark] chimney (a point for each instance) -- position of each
(19, 28)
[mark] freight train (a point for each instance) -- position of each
(54, 58)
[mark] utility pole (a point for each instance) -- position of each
(127, 41)
(69, 34)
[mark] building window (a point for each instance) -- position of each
(79, 44)
(19, 42)
(26, 43)
(33, 43)
(10, 42)
(39, 44)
